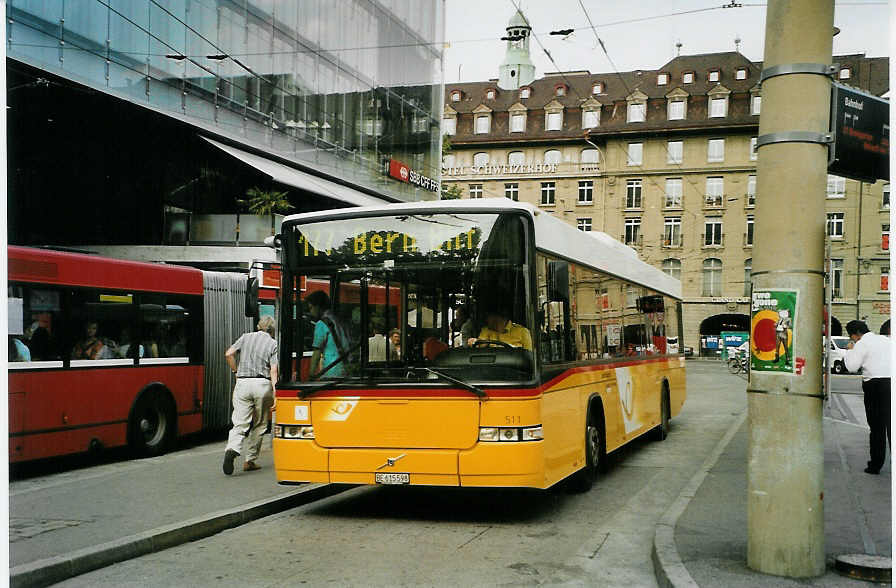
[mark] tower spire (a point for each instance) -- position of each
(517, 69)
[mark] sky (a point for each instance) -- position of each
(474, 28)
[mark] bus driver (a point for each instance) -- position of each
(498, 327)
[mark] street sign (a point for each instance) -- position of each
(860, 125)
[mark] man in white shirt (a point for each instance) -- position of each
(871, 353)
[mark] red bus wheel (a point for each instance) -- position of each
(152, 425)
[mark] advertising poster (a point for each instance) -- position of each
(773, 315)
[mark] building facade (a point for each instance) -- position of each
(665, 161)
(145, 123)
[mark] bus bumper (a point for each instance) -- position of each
(484, 465)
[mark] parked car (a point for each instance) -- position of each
(838, 354)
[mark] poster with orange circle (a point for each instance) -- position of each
(773, 316)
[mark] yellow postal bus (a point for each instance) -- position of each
(518, 351)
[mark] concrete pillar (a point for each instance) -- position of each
(785, 516)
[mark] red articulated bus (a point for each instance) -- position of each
(107, 353)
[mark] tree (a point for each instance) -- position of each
(449, 191)
(265, 202)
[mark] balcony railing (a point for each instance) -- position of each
(637, 241)
(674, 241)
(714, 242)
(713, 200)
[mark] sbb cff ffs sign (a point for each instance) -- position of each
(403, 173)
(860, 124)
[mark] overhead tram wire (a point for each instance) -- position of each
(628, 90)
(581, 99)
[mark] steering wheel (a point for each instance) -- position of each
(492, 342)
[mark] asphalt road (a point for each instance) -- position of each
(377, 536)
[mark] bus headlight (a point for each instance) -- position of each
(533, 433)
(295, 431)
(510, 434)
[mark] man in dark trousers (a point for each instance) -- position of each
(871, 353)
(253, 396)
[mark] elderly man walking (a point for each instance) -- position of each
(253, 396)
(871, 353)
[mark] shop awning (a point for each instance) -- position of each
(299, 179)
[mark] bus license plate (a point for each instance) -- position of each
(393, 478)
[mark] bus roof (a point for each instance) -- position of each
(593, 249)
(46, 266)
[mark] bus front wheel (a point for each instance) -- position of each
(151, 426)
(661, 431)
(595, 456)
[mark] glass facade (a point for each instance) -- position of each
(338, 86)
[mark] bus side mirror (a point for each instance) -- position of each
(252, 297)
(558, 281)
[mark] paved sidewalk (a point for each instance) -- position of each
(67, 524)
(710, 518)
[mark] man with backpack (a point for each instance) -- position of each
(331, 341)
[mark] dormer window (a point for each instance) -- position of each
(675, 109)
(636, 112)
(741, 73)
(845, 73)
(687, 77)
(455, 96)
(590, 118)
(554, 121)
(525, 92)
(483, 124)
(560, 90)
(490, 94)
(662, 79)
(713, 76)
(449, 125)
(597, 88)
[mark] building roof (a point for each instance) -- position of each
(870, 74)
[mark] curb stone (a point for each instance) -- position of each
(670, 571)
(44, 572)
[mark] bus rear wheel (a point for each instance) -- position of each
(151, 426)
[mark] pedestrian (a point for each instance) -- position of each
(871, 353)
(331, 341)
(256, 377)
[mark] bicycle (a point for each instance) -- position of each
(738, 364)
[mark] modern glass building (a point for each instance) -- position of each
(145, 122)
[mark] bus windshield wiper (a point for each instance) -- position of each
(474, 389)
(308, 390)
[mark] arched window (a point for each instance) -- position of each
(516, 158)
(480, 159)
(552, 156)
(590, 156)
(672, 267)
(712, 277)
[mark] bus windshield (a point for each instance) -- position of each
(409, 298)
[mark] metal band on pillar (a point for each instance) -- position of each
(795, 137)
(793, 271)
(784, 69)
(770, 393)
